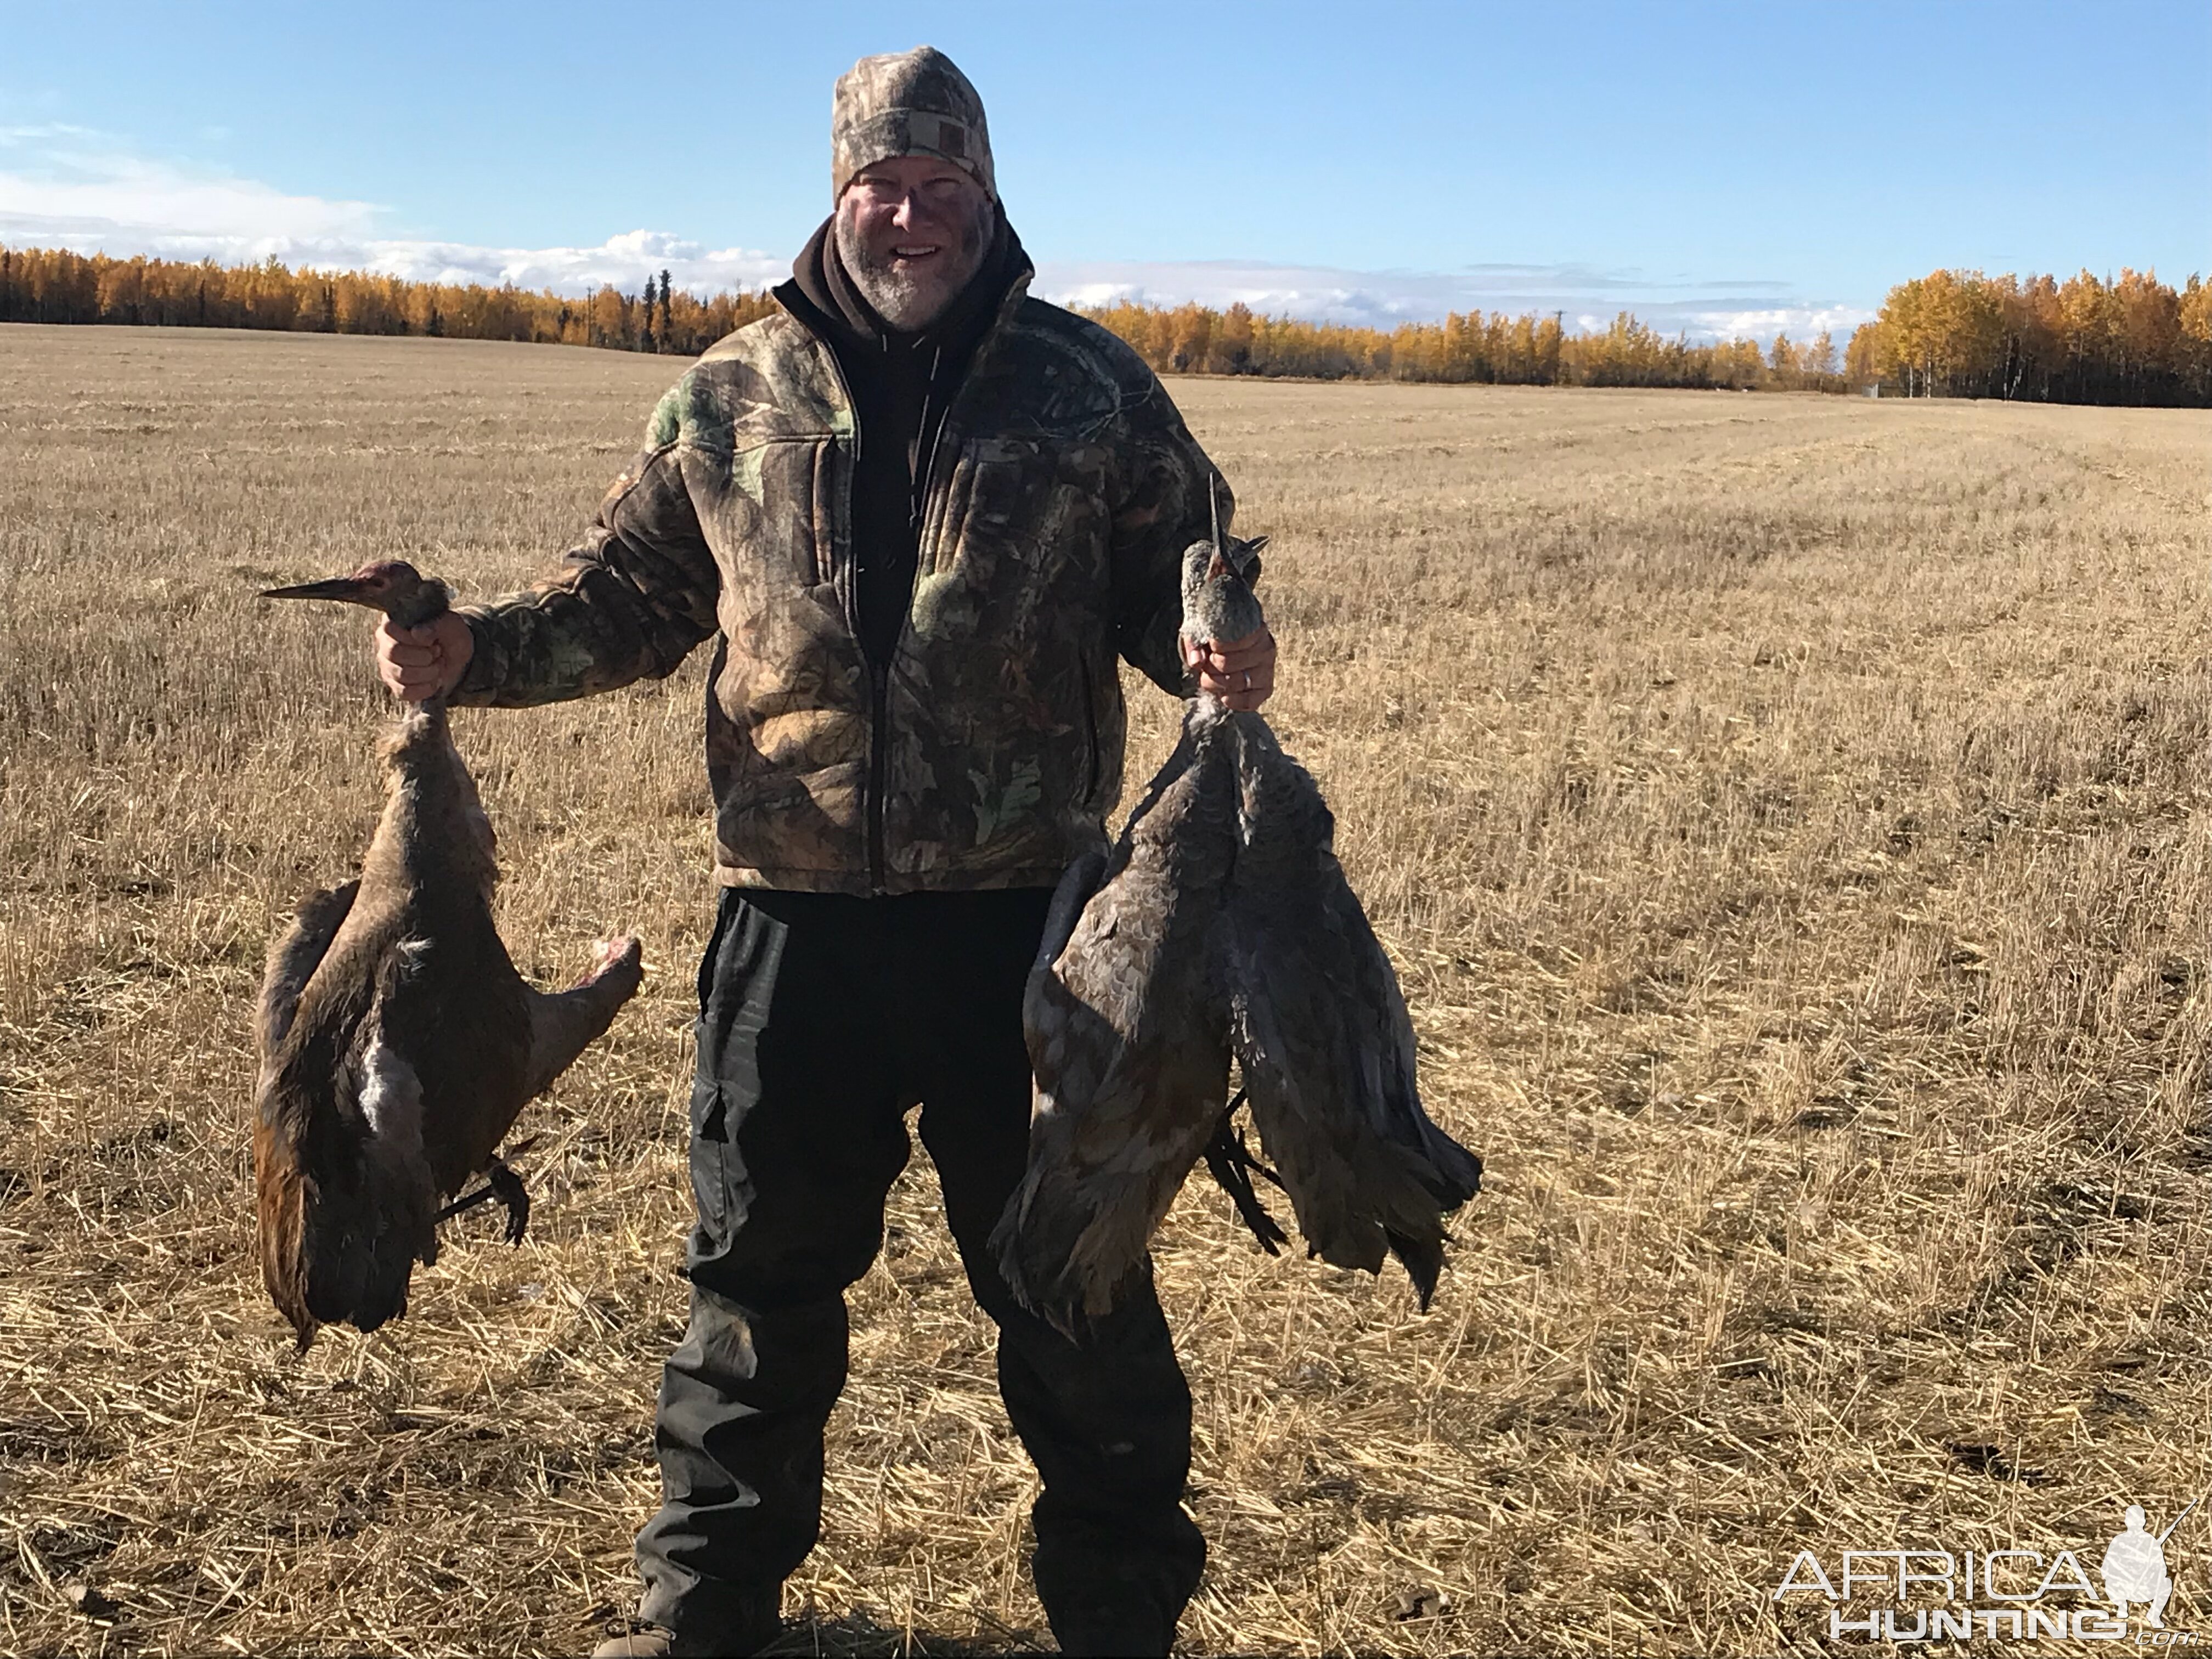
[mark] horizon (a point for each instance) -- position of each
(1684, 167)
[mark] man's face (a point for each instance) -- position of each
(912, 230)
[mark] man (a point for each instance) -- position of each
(924, 515)
(2135, 1570)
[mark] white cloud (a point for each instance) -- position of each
(1587, 299)
(62, 186)
(77, 184)
(624, 260)
(1800, 323)
(69, 187)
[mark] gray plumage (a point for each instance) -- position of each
(1221, 926)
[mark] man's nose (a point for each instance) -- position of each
(908, 210)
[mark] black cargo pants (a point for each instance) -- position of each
(823, 1019)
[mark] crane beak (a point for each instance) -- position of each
(1244, 556)
(1236, 558)
(350, 589)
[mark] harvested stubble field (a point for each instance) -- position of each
(1788, 816)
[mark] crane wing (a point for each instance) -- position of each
(1129, 1046)
(374, 1214)
(1320, 1029)
(294, 958)
(343, 1193)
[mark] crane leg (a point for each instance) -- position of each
(1230, 1161)
(500, 1183)
(506, 1186)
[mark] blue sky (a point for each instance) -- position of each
(1717, 167)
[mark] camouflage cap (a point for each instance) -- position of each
(908, 103)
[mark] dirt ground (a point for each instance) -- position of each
(1788, 815)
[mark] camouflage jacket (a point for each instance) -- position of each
(986, 752)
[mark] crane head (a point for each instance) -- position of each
(391, 585)
(1218, 577)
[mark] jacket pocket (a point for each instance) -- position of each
(1090, 755)
(829, 498)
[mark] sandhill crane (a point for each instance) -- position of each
(1220, 925)
(398, 1042)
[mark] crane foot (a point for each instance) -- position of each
(506, 1186)
(500, 1183)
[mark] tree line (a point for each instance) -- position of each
(43, 285)
(1959, 333)
(1496, 349)
(53, 285)
(1951, 333)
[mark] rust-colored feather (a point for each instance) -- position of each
(279, 1178)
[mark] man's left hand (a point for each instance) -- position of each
(1242, 674)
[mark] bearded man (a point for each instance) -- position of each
(922, 516)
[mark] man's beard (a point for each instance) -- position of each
(911, 301)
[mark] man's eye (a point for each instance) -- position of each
(932, 190)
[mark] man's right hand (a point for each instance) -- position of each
(419, 663)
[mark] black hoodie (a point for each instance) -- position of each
(901, 385)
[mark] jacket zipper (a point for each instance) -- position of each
(879, 673)
(880, 676)
(927, 498)
(880, 687)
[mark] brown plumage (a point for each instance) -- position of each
(399, 1044)
(1221, 926)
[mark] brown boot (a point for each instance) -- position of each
(651, 1642)
(646, 1642)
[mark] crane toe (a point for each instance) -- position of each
(506, 1186)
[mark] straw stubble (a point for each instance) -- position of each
(1786, 816)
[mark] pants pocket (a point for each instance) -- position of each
(737, 982)
(710, 1133)
(710, 1115)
